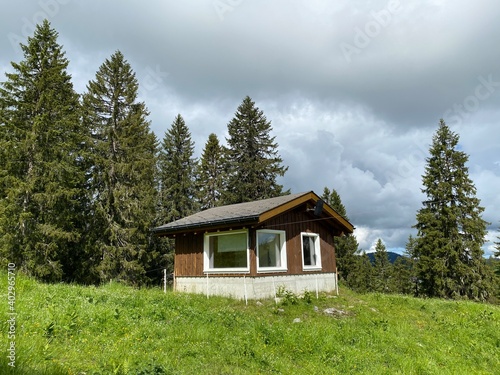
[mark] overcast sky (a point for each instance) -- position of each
(354, 89)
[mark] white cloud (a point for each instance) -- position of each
(492, 238)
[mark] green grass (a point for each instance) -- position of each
(113, 329)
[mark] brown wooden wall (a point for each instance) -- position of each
(293, 223)
(189, 254)
(189, 247)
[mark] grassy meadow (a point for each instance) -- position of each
(114, 329)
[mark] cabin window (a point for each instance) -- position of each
(311, 253)
(226, 252)
(271, 250)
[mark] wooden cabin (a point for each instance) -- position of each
(250, 250)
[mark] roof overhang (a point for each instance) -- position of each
(207, 226)
(328, 214)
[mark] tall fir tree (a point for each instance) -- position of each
(42, 148)
(177, 168)
(210, 175)
(252, 156)
(404, 279)
(346, 246)
(361, 276)
(411, 247)
(177, 173)
(382, 268)
(332, 198)
(450, 227)
(123, 172)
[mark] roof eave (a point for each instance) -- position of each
(334, 215)
(285, 207)
(206, 226)
(340, 219)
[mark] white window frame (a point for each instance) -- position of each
(282, 238)
(206, 254)
(317, 251)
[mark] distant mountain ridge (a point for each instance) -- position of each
(391, 255)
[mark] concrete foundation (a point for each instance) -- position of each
(261, 287)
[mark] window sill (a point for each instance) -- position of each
(312, 269)
(271, 270)
(227, 271)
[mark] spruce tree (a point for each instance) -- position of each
(42, 175)
(123, 172)
(332, 198)
(253, 161)
(411, 247)
(450, 228)
(361, 276)
(403, 278)
(177, 168)
(210, 175)
(382, 268)
(346, 246)
(177, 173)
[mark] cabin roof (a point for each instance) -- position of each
(248, 213)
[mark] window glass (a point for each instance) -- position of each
(308, 250)
(311, 255)
(228, 250)
(269, 249)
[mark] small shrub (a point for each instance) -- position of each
(307, 297)
(287, 296)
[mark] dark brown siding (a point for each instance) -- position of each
(189, 255)
(189, 247)
(293, 223)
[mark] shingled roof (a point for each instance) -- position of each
(248, 213)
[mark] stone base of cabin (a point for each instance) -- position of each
(260, 287)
